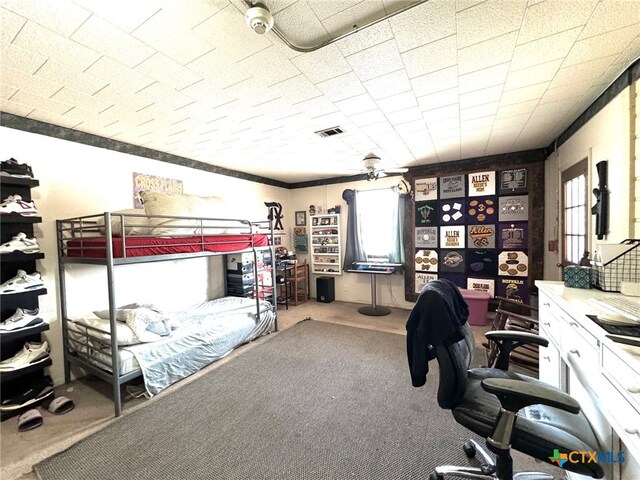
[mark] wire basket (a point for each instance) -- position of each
(624, 268)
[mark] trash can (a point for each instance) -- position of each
(478, 302)
(325, 289)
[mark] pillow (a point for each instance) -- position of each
(148, 325)
(124, 334)
(132, 225)
(180, 205)
(121, 312)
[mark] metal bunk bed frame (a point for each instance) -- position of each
(68, 229)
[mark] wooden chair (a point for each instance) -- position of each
(520, 317)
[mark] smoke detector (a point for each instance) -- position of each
(259, 18)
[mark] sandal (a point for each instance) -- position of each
(29, 420)
(60, 405)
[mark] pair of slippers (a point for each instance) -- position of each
(33, 418)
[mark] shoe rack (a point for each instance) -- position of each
(12, 342)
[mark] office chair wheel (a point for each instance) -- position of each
(436, 476)
(469, 450)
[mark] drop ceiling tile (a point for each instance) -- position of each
(299, 25)
(41, 103)
(322, 64)
(501, 124)
(163, 94)
(118, 113)
(474, 149)
(573, 90)
(373, 35)
(376, 61)
(167, 71)
(412, 128)
(443, 113)
(227, 30)
(125, 17)
(586, 71)
(322, 106)
(54, 118)
(23, 81)
(477, 123)
(197, 12)
(548, 18)
(611, 15)
(407, 115)
(80, 100)
(488, 20)
(602, 45)
(439, 99)
(387, 85)
(516, 109)
(11, 25)
(487, 77)
(424, 24)
(464, 4)
(61, 16)
(524, 94)
(19, 58)
(54, 46)
(269, 67)
(440, 133)
(544, 50)
(7, 91)
(397, 102)
(15, 108)
(449, 150)
(61, 74)
(295, 90)
(352, 17)
(120, 78)
(431, 57)
(368, 118)
(218, 70)
(342, 87)
(435, 82)
(355, 105)
(552, 108)
(532, 75)
(162, 30)
(103, 37)
(375, 129)
(480, 97)
(486, 54)
(479, 111)
(324, 9)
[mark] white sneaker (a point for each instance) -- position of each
(20, 320)
(22, 282)
(30, 354)
(20, 243)
(15, 204)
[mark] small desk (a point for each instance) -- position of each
(374, 310)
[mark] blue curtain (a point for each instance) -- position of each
(397, 254)
(354, 250)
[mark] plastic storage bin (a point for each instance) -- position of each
(478, 302)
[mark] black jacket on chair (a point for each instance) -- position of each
(439, 300)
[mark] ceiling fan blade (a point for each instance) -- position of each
(395, 170)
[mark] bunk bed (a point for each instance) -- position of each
(105, 343)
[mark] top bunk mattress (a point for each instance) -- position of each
(142, 246)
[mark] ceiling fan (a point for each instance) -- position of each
(372, 169)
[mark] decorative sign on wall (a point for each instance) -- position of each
(472, 230)
(426, 237)
(482, 183)
(143, 182)
(513, 181)
(452, 186)
(426, 189)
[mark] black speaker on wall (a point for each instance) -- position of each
(325, 289)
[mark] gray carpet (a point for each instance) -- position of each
(317, 401)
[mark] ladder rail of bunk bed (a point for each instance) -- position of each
(77, 227)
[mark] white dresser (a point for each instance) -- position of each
(602, 375)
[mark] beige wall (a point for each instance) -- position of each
(608, 136)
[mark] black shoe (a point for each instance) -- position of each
(12, 168)
(40, 389)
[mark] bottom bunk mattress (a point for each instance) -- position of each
(200, 335)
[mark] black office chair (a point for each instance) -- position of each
(510, 410)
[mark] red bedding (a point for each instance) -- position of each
(94, 247)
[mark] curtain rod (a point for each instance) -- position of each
(393, 187)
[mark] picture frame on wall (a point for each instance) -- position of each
(301, 218)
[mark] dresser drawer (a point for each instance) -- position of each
(623, 377)
(551, 324)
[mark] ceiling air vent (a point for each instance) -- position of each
(328, 132)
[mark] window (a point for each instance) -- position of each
(574, 212)
(377, 212)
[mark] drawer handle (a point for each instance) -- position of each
(546, 357)
(575, 351)
(632, 431)
(546, 304)
(574, 324)
(634, 389)
(548, 324)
